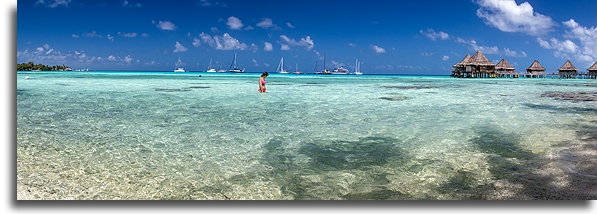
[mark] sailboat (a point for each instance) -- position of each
(280, 68)
(296, 70)
(325, 71)
(209, 68)
(357, 67)
(178, 68)
(233, 68)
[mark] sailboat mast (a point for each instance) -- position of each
(324, 61)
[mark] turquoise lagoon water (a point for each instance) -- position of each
(127, 135)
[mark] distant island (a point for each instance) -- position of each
(30, 66)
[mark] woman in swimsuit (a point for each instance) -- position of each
(262, 82)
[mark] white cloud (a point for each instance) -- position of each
(209, 3)
(512, 53)
(268, 46)
(508, 16)
(48, 55)
(431, 34)
(165, 25)
(284, 47)
(129, 35)
(578, 43)
(196, 42)
(128, 59)
(110, 37)
(378, 49)
(224, 42)
(474, 46)
(145, 35)
(351, 44)
(75, 35)
(179, 48)
(426, 54)
(255, 62)
(53, 3)
(265, 23)
(305, 42)
(445, 58)
(234, 23)
(92, 34)
(126, 3)
(290, 25)
(111, 58)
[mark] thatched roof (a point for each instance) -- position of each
(567, 67)
(536, 67)
(504, 64)
(593, 68)
(464, 61)
(480, 59)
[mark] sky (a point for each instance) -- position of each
(424, 37)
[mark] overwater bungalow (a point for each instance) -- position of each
(592, 71)
(504, 69)
(567, 70)
(477, 66)
(459, 69)
(535, 70)
(481, 66)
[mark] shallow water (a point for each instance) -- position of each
(181, 136)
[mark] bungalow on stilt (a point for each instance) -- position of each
(481, 67)
(567, 70)
(535, 70)
(459, 69)
(504, 69)
(592, 71)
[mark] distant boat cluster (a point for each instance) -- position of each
(478, 66)
(280, 69)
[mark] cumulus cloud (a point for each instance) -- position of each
(224, 42)
(284, 47)
(290, 25)
(508, 16)
(210, 3)
(45, 54)
(474, 46)
(128, 59)
(351, 44)
(265, 23)
(126, 3)
(431, 34)
(234, 23)
(53, 3)
(268, 46)
(129, 35)
(445, 58)
(378, 49)
(165, 25)
(578, 43)
(196, 42)
(179, 48)
(304, 42)
(92, 34)
(426, 54)
(111, 58)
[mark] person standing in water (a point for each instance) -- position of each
(262, 88)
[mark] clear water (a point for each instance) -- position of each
(181, 136)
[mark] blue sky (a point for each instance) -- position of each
(389, 37)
